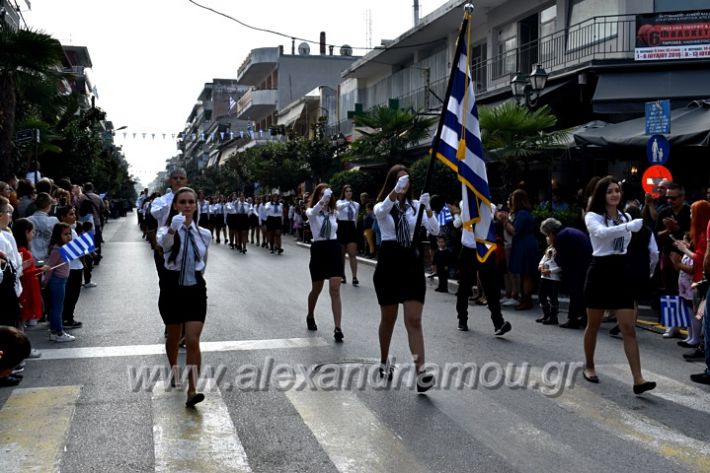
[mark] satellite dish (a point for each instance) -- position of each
(346, 50)
(304, 49)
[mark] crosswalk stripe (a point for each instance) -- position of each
(352, 436)
(668, 388)
(34, 424)
(633, 426)
(202, 439)
(159, 349)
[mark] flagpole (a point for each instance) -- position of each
(468, 8)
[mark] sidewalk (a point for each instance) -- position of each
(647, 317)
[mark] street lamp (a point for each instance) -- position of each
(526, 88)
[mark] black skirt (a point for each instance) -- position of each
(326, 260)
(347, 233)
(232, 221)
(253, 221)
(217, 221)
(608, 285)
(241, 223)
(399, 275)
(179, 304)
(204, 221)
(273, 223)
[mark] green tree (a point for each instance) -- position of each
(444, 182)
(389, 133)
(26, 57)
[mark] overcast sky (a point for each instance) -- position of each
(151, 58)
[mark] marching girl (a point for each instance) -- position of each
(262, 222)
(204, 208)
(326, 260)
(606, 287)
(218, 217)
(399, 274)
(347, 231)
(183, 294)
(274, 221)
(243, 209)
(254, 227)
(230, 210)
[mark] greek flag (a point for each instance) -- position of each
(459, 146)
(674, 312)
(83, 245)
(444, 217)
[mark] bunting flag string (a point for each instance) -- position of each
(221, 136)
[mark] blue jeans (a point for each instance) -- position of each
(56, 290)
(706, 333)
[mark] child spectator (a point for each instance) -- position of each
(442, 263)
(88, 260)
(56, 281)
(368, 222)
(549, 285)
(686, 268)
(31, 297)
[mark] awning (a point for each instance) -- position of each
(626, 92)
(291, 114)
(690, 126)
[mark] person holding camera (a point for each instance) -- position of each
(399, 274)
(606, 287)
(183, 293)
(326, 259)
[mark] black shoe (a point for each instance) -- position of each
(244, 250)
(550, 321)
(571, 324)
(386, 372)
(694, 355)
(503, 329)
(311, 324)
(463, 326)
(281, 250)
(72, 324)
(643, 387)
(425, 381)
(338, 335)
(9, 381)
(343, 280)
(615, 331)
(541, 319)
(590, 378)
(355, 282)
(702, 378)
(197, 398)
(438, 289)
(685, 344)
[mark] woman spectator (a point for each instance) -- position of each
(326, 258)
(606, 285)
(183, 294)
(524, 255)
(399, 274)
(347, 232)
(699, 217)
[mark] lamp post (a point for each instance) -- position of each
(526, 88)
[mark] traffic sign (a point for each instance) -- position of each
(658, 117)
(658, 149)
(652, 176)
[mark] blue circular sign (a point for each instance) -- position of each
(658, 149)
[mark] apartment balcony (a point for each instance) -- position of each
(257, 104)
(259, 63)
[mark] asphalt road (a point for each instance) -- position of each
(84, 407)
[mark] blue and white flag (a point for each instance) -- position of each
(83, 245)
(459, 146)
(674, 312)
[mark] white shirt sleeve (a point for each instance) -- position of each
(652, 254)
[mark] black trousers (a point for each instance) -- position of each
(488, 272)
(88, 267)
(575, 286)
(549, 290)
(71, 294)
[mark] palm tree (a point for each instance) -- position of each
(389, 132)
(26, 57)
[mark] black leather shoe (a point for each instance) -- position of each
(643, 387)
(550, 321)
(463, 327)
(386, 372)
(694, 355)
(425, 381)
(9, 381)
(503, 329)
(702, 378)
(571, 324)
(311, 324)
(338, 335)
(355, 282)
(685, 344)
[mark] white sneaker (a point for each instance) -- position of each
(31, 323)
(508, 301)
(90, 284)
(671, 332)
(35, 353)
(61, 338)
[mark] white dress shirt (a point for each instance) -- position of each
(160, 208)
(274, 210)
(204, 207)
(242, 207)
(202, 237)
(386, 221)
(342, 207)
(316, 220)
(603, 232)
(230, 208)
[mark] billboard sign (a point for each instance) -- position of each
(665, 36)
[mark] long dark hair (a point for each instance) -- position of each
(597, 203)
(519, 200)
(318, 193)
(342, 191)
(391, 181)
(175, 250)
(57, 231)
(19, 231)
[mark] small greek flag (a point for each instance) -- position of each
(83, 245)
(674, 312)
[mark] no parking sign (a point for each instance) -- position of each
(652, 176)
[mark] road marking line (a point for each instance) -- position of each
(202, 439)
(633, 426)
(354, 438)
(34, 424)
(142, 350)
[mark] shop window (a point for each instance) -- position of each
(588, 24)
(507, 50)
